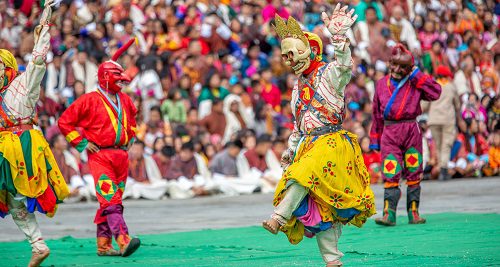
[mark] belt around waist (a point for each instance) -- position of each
(387, 122)
(113, 147)
(325, 130)
(17, 128)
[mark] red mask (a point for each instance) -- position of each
(111, 75)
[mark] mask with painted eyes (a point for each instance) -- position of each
(296, 54)
(111, 75)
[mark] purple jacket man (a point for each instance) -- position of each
(396, 133)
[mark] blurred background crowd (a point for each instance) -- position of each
(213, 92)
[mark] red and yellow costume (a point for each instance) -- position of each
(111, 127)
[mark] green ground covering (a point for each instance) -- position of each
(448, 239)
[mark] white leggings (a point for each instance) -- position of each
(26, 222)
(327, 240)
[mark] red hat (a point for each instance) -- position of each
(444, 71)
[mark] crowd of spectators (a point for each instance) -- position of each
(213, 92)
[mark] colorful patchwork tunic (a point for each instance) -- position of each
(331, 165)
(395, 131)
(111, 127)
(28, 167)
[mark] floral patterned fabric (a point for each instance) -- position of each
(331, 167)
(29, 168)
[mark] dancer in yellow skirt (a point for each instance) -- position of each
(29, 177)
(325, 184)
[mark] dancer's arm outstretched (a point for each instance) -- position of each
(28, 83)
(339, 71)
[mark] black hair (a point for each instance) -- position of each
(437, 42)
(53, 140)
(370, 7)
(236, 143)
(188, 146)
(155, 108)
(168, 151)
(254, 83)
(264, 138)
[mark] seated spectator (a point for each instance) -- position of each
(435, 57)
(260, 165)
(163, 159)
(215, 123)
(154, 128)
(144, 177)
(472, 151)
(173, 108)
(467, 79)
(212, 90)
(270, 92)
(79, 188)
(225, 171)
(494, 114)
(372, 160)
(493, 167)
(237, 117)
(190, 175)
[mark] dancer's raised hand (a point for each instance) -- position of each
(340, 21)
(47, 11)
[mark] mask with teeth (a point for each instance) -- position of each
(110, 74)
(296, 54)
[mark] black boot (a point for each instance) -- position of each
(412, 202)
(391, 198)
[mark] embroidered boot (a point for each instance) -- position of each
(413, 216)
(412, 201)
(127, 245)
(391, 198)
(105, 248)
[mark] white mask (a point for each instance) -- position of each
(295, 51)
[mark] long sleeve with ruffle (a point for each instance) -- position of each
(21, 96)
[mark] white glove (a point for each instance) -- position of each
(47, 12)
(340, 21)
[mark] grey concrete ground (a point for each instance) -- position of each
(151, 217)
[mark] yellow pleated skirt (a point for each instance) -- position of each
(28, 168)
(331, 167)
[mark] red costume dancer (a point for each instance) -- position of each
(107, 117)
(396, 133)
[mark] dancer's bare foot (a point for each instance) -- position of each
(271, 225)
(38, 257)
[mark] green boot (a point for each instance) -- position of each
(412, 201)
(389, 218)
(413, 216)
(391, 198)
